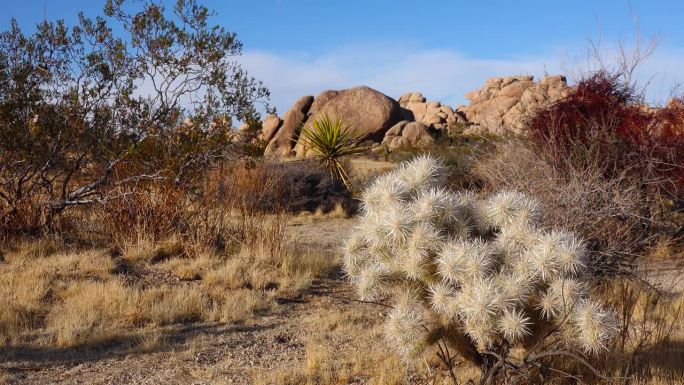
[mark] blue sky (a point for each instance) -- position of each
(442, 48)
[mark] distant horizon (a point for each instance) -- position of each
(443, 50)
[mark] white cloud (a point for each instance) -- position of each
(440, 74)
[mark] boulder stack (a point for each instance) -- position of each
(365, 109)
(501, 105)
(284, 139)
(407, 134)
(432, 114)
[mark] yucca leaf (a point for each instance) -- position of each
(332, 139)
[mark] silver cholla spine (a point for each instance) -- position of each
(448, 258)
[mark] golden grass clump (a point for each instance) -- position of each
(55, 295)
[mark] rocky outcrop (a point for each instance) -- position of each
(322, 99)
(503, 103)
(432, 114)
(284, 139)
(368, 111)
(269, 127)
(407, 134)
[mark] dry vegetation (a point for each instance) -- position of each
(168, 298)
(187, 258)
(257, 290)
(239, 280)
(148, 265)
(55, 296)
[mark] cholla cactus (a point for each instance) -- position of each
(482, 270)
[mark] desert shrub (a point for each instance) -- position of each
(480, 277)
(611, 213)
(459, 153)
(76, 124)
(604, 123)
(156, 210)
(255, 198)
(665, 139)
(292, 187)
(239, 203)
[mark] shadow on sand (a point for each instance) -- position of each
(26, 357)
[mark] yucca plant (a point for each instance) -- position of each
(332, 139)
(475, 276)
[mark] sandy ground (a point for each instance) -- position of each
(196, 354)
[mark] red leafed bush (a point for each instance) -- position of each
(605, 123)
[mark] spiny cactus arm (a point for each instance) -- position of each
(572, 254)
(515, 288)
(355, 255)
(406, 327)
(595, 326)
(384, 191)
(451, 260)
(547, 306)
(416, 257)
(398, 224)
(476, 266)
(507, 207)
(454, 213)
(443, 299)
(370, 226)
(567, 293)
(371, 281)
(514, 325)
(543, 258)
(515, 240)
(480, 260)
(421, 173)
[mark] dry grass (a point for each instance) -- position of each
(608, 211)
(145, 249)
(650, 344)
(345, 346)
(68, 298)
(60, 297)
(54, 295)
(170, 259)
(665, 248)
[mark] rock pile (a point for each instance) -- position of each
(432, 114)
(367, 110)
(501, 105)
(406, 134)
(284, 139)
